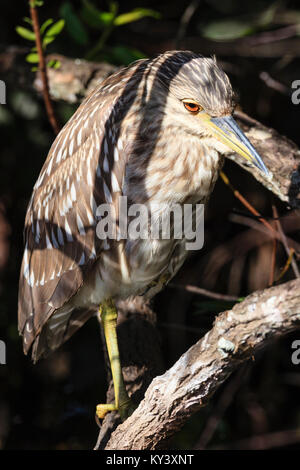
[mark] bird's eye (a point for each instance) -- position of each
(193, 108)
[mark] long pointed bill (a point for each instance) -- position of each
(227, 131)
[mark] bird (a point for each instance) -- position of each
(155, 133)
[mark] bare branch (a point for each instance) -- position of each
(265, 441)
(279, 154)
(236, 336)
(285, 242)
(204, 292)
(75, 78)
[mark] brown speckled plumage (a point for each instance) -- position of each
(130, 137)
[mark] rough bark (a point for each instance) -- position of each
(71, 82)
(235, 337)
(280, 155)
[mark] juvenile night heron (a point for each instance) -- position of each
(153, 132)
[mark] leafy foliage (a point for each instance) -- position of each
(48, 31)
(91, 18)
(74, 25)
(238, 27)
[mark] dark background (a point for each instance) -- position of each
(51, 405)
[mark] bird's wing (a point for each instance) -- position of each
(84, 168)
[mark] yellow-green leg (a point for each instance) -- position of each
(108, 314)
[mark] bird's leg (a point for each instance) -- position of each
(108, 314)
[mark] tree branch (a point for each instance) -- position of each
(43, 68)
(280, 155)
(236, 336)
(75, 78)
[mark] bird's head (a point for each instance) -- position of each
(200, 101)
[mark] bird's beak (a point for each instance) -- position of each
(227, 131)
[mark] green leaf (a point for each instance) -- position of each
(47, 40)
(55, 29)
(45, 25)
(113, 7)
(94, 17)
(265, 18)
(32, 58)
(226, 30)
(57, 64)
(54, 64)
(74, 26)
(25, 33)
(36, 3)
(135, 15)
(34, 69)
(106, 17)
(27, 20)
(53, 32)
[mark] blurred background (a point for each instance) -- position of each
(51, 405)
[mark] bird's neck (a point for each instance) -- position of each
(179, 169)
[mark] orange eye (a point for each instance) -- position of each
(192, 107)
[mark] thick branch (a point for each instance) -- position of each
(236, 336)
(280, 155)
(75, 78)
(71, 82)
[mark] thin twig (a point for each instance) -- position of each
(43, 68)
(285, 242)
(287, 264)
(273, 36)
(273, 260)
(273, 263)
(274, 232)
(225, 400)
(264, 441)
(184, 21)
(204, 292)
(274, 84)
(239, 219)
(245, 202)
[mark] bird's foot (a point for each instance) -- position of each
(125, 409)
(102, 410)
